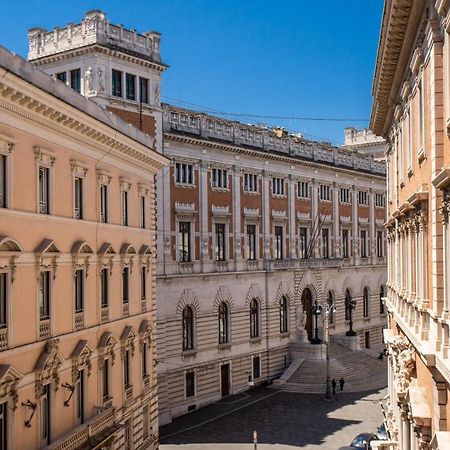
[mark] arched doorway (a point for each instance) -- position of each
(307, 308)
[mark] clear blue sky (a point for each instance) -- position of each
(297, 58)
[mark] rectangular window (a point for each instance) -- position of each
(144, 360)
(126, 368)
(380, 244)
(251, 242)
(62, 76)
(3, 203)
(143, 283)
(345, 195)
(127, 435)
(143, 210)
(44, 295)
(116, 83)
(104, 280)
(190, 384)
(3, 299)
(78, 198)
(125, 285)
(380, 200)
(184, 173)
(278, 186)
(124, 197)
(105, 380)
(363, 243)
(75, 80)
(303, 189)
(219, 178)
(79, 290)
(4, 426)
(143, 89)
(256, 367)
(44, 190)
(421, 121)
(250, 182)
(278, 247)
(80, 388)
(130, 86)
(103, 203)
(324, 192)
(220, 242)
(184, 241)
(345, 246)
(325, 243)
(363, 198)
(145, 422)
(45, 414)
(303, 242)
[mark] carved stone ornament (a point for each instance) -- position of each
(445, 208)
(81, 358)
(106, 348)
(9, 378)
(127, 340)
(47, 366)
(404, 363)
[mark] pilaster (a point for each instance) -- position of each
(291, 213)
(203, 207)
(266, 214)
(336, 235)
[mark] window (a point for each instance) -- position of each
(145, 422)
(251, 242)
(303, 242)
(78, 198)
(381, 300)
(105, 380)
(278, 247)
(220, 242)
(250, 182)
(79, 290)
(190, 384)
(103, 203)
(324, 192)
(380, 200)
(278, 186)
(223, 323)
(330, 301)
(44, 190)
(75, 80)
(125, 284)
(256, 367)
(184, 173)
(345, 195)
(284, 304)
(143, 283)
(345, 246)
(44, 295)
(104, 280)
(325, 243)
(219, 179)
(130, 86)
(127, 435)
(184, 241)
(124, 197)
(143, 89)
(303, 189)
(347, 304)
(421, 121)
(45, 414)
(4, 425)
(362, 198)
(363, 243)
(144, 360)
(116, 83)
(254, 319)
(380, 244)
(62, 76)
(3, 203)
(365, 302)
(126, 368)
(188, 328)
(142, 205)
(80, 388)
(3, 300)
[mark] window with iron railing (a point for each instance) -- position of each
(103, 203)
(78, 198)
(79, 290)
(44, 190)
(44, 295)
(251, 242)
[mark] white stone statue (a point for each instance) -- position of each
(89, 82)
(302, 335)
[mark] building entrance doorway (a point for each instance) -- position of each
(225, 379)
(307, 308)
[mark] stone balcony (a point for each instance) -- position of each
(97, 432)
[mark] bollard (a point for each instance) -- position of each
(255, 440)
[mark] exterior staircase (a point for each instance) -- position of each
(362, 371)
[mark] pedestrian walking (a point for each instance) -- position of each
(333, 385)
(341, 384)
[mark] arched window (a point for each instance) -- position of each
(382, 295)
(330, 301)
(366, 302)
(284, 322)
(188, 328)
(223, 323)
(348, 301)
(254, 318)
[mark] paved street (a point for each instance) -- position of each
(283, 420)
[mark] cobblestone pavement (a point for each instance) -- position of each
(283, 420)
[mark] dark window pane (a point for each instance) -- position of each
(116, 83)
(75, 80)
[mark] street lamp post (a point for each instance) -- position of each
(350, 304)
(328, 309)
(316, 310)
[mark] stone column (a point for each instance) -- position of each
(355, 226)
(372, 234)
(236, 174)
(291, 213)
(336, 235)
(315, 217)
(266, 214)
(203, 207)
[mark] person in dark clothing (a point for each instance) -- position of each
(341, 384)
(333, 385)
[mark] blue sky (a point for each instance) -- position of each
(293, 58)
